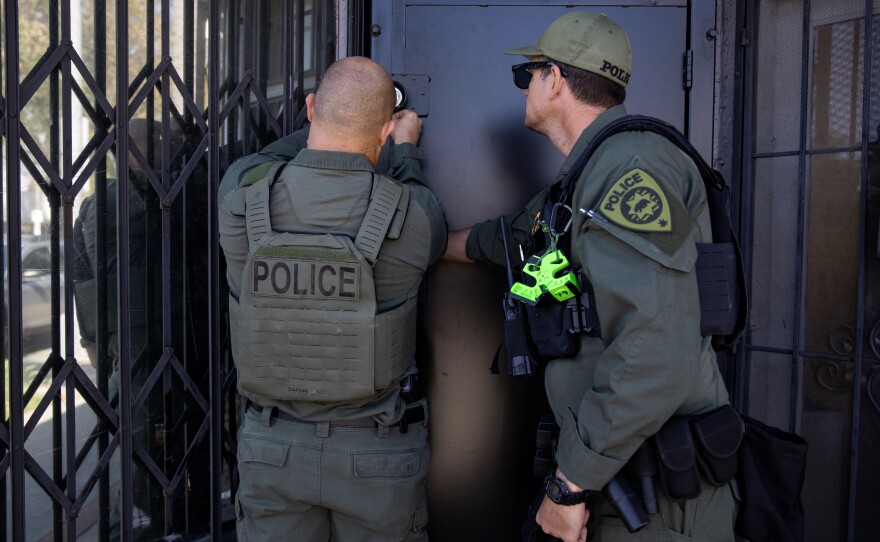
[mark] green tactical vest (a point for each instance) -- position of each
(305, 325)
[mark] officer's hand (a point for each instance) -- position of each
(408, 127)
(568, 523)
(92, 351)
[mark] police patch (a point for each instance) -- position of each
(638, 203)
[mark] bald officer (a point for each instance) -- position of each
(325, 259)
(650, 362)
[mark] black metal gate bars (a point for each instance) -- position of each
(811, 202)
(118, 121)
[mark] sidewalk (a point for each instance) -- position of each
(38, 505)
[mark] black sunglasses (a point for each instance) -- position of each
(522, 76)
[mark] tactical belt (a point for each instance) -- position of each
(413, 414)
(685, 448)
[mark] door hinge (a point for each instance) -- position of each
(688, 70)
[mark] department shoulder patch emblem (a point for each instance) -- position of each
(637, 202)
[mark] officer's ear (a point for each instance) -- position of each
(387, 130)
(558, 81)
(310, 105)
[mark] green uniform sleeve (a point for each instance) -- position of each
(651, 361)
(404, 166)
(485, 243)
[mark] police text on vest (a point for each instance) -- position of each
(310, 279)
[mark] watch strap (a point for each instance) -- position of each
(558, 492)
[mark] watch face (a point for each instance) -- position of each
(555, 489)
(558, 492)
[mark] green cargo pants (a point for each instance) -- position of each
(313, 482)
(707, 518)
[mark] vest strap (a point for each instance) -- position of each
(257, 210)
(380, 213)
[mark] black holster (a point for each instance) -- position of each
(555, 328)
(549, 325)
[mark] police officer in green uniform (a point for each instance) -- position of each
(639, 207)
(325, 258)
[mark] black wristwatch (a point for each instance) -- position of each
(558, 492)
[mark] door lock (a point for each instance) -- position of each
(400, 97)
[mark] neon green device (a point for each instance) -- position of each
(545, 269)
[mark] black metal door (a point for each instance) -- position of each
(482, 161)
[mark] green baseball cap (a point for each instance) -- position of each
(590, 41)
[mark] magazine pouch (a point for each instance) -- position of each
(718, 436)
(677, 460)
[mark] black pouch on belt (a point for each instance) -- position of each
(676, 459)
(550, 329)
(718, 435)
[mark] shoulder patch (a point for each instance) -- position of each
(637, 202)
(256, 173)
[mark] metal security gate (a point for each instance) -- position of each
(119, 118)
(811, 201)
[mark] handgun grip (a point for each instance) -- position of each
(626, 503)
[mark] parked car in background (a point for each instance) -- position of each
(36, 294)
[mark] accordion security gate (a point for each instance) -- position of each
(162, 94)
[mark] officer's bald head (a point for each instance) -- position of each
(355, 97)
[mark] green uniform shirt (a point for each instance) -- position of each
(329, 192)
(651, 362)
(282, 150)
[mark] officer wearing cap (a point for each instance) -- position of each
(325, 258)
(639, 207)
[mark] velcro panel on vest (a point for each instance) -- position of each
(717, 283)
(395, 343)
(257, 198)
(399, 216)
(306, 319)
(381, 211)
